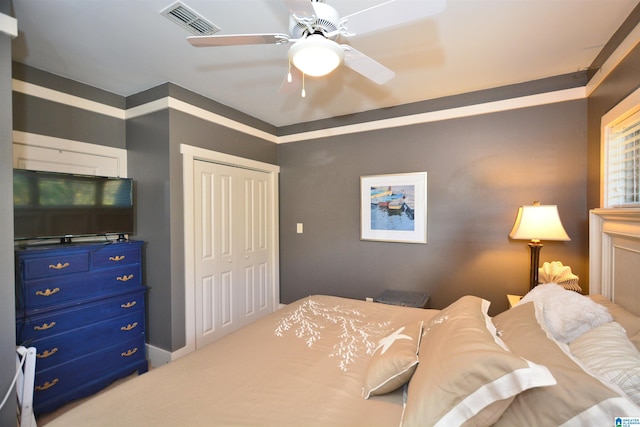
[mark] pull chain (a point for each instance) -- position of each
(304, 93)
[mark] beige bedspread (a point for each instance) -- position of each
(300, 366)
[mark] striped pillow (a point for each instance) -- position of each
(608, 352)
(577, 399)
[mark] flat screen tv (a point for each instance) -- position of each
(50, 205)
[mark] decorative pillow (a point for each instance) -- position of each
(577, 399)
(608, 352)
(567, 314)
(394, 360)
(466, 375)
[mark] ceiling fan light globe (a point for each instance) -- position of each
(316, 55)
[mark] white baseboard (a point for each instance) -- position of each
(157, 356)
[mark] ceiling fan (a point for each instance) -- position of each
(315, 26)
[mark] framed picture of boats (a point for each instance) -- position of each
(394, 207)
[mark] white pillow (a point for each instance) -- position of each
(567, 314)
(607, 351)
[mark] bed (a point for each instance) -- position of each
(556, 358)
(315, 361)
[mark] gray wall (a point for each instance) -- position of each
(44, 117)
(480, 169)
(148, 165)
(7, 313)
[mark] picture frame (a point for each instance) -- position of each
(393, 207)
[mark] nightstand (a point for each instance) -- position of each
(404, 298)
(513, 300)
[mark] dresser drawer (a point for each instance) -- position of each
(78, 342)
(50, 323)
(55, 383)
(120, 254)
(82, 306)
(47, 292)
(53, 266)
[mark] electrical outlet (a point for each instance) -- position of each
(369, 299)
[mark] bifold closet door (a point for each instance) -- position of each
(232, 255)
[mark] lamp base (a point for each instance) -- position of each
(535, 262)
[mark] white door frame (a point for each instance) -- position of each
(189, 155)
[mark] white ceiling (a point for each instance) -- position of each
(127, 46)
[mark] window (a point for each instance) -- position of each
(621, 154)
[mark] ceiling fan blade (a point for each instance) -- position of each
(390, 13)
(300, 8)
(238, 39)
(368, 67)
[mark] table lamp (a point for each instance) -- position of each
(535, 223)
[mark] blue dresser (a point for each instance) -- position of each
(82, 306)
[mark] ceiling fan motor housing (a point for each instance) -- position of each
(326, 22)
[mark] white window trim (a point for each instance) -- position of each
(624, 109)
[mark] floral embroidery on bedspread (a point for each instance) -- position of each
(357, 336)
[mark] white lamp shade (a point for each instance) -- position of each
(316, 55)
(538, 222)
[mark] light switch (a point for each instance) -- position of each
(299, 228)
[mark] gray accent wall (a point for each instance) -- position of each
(480, 169)
(63, 121)
(66, 122)
(148, 165)
(7, 311)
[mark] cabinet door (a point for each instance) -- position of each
(232, 254)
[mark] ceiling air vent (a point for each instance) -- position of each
(187, 18)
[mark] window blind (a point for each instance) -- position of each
(623, 163)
